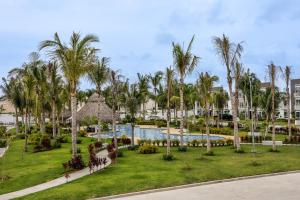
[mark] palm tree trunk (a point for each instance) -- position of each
(235, 122)
(273, 115)
(17, 121)
(132, 134)
(99, 116)
(168, 124)
(53, 119)
(43, 122)
(74, 127)
(267, 125)
(181, 112)
(26, 130)
(208, 145)
(289, 111)
(57, 124)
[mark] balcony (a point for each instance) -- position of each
(296, 94)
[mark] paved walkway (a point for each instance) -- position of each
(278, 187)
(53, 183)
(2, 151)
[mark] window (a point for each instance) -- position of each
(297, 114)
(297, 102)
(297, 90)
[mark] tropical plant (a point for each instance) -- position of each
(143, 87)
(75, 60)
(169, 78)
(230, 54)
(220, 98)
(205, 84)
(155, 81)
(99, 75)
(184, 62)
(287, 77)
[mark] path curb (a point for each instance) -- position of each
(194, 185)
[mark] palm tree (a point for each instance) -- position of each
(287, 78)
(37, 68)
(99, 75)
(132, 104)
(115, 81)
(272, 73)
(54, 89)
(220, 100)
(205, 84)
(229, 54)
(184, 62)
(155, 81)
(75, 60)
(12, 90)
(170, 73)
(143, 86)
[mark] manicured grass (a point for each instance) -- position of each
(29, 169)
(136, 172)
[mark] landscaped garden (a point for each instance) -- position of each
(136, 172)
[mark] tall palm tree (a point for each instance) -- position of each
(230, 54)
(205, 84)
(38, 70)
(287, 78)
(132, 104)
(54, 89)
(143, 86)
(272, 73)
(75, 60)
(185, 63)
(116, 86)
(155, 81)
(220, 100)
(169, 77)
(99, 75)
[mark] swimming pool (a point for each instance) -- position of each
(155, 134)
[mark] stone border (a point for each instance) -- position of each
(194, 185)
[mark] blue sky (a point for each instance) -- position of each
(137, 34)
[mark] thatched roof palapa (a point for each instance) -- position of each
(90, 109)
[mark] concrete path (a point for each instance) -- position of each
(55, 182)
(276, 187)
(2, 151)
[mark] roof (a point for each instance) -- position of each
(265, 84)
(7, 106)
(90, 109)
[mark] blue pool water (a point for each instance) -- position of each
(155, 133)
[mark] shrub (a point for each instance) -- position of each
(2, 131)
(79, 141)
(120, 153)
(239, 151)
(34, 138)
(75, 163)
(82, 133)
(62, 138)
(37, 148)
(112, 155)
(168, 157)
(46, 141)
(164, 142)
(133, 148)
(182, 149)
(3, 143)
(175, 143)
(148, 149)
(274, 151)
(56, 144)
(105, 126)
(98, 145)
(20, 136)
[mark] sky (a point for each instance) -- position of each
(137, 34)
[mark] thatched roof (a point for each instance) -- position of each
(7, 106)
(90, 109)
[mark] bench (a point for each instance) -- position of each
(270, 143)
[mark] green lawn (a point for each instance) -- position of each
(33, 168)
(136, 172)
